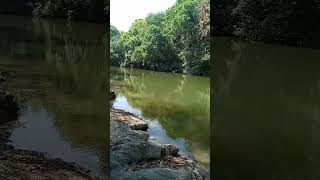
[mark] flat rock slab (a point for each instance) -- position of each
(130, 119)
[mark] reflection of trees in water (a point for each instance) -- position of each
(265, 114)
(65, 69)
(179, 102)
(75, 91)
(228, 67)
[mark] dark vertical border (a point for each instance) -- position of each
(212, 87)
(107, 58)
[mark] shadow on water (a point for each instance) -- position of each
(59, 74)
(176, 105)
(266, 114)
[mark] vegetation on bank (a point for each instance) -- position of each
(176, 40)
(294, 22)
(85, 10)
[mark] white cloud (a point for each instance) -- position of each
(124, 12)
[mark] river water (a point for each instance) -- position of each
(267, 111)
(176, 106)
(58, 70)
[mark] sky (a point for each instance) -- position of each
(124, 12)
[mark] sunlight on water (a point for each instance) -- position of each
(176, 107)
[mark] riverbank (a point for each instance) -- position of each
(135, 156)
(25, 164)
(162, 71)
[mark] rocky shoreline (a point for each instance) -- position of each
(25, 164)
(134, 156)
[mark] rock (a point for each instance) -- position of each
(130, 146)
(203, 172)
(132, 121)
(112, 96)
(137, 124)
(134, 156)
(143, 134)
(160, 174)
(8, 107)
(169, 149)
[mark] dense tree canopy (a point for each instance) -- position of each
(293, 22)
(89, 10)
(175, 40)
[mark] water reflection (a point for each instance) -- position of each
(60, 75)
(178, 103)
(266, 112)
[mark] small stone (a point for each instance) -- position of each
(169, 149)
(137, 124)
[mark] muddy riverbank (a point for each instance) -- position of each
(135, 156)
(23, 164)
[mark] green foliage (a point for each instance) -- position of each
(88, 10)
(192, 45)
(165, 42)
(292, 22)
(116, 47)
(156, 19)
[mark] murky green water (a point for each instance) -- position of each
(267, 112)
(177, 107)
(59, 73)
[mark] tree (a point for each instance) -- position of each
(292, 22)
(175, 40)
(116, 47)
(192, 49)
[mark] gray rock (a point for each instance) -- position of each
(169, 149)
(160, 174)
(129, 146)
(133, 156)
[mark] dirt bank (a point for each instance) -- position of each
(22, 164)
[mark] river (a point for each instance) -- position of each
(176, 106)
(58, 72)
(267, 111)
